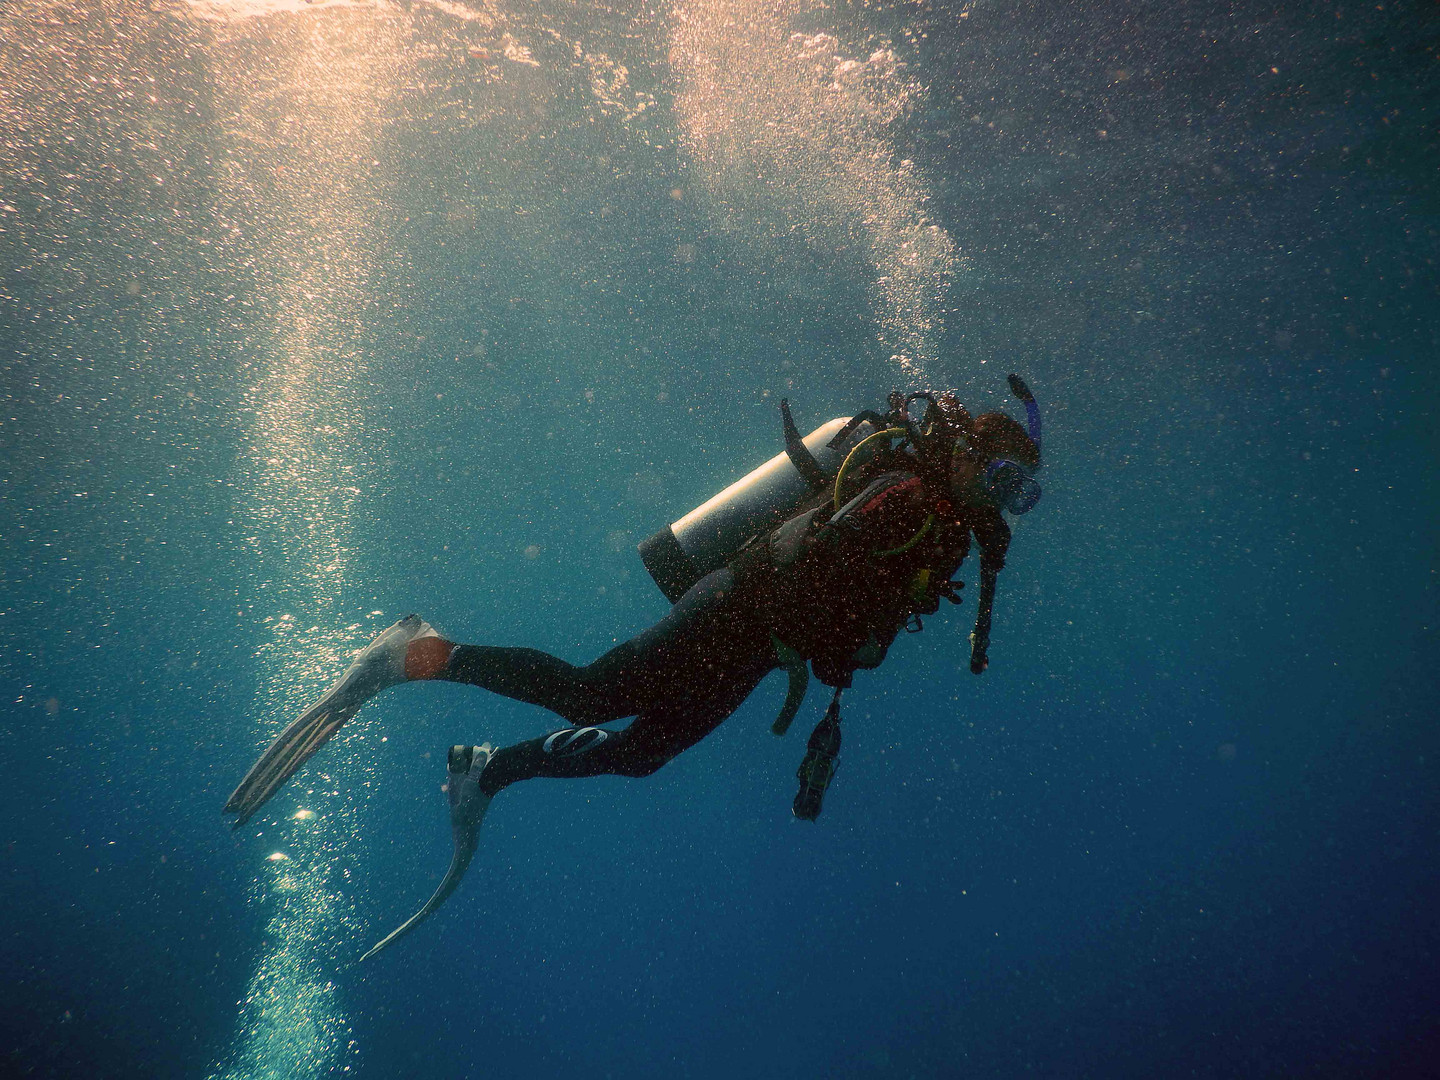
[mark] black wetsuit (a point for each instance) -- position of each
(836, 591)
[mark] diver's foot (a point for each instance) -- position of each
(467, 802)
(467, 810)
(381, 664)
(378, 666)
(427, 656)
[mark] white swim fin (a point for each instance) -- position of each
(379, 665)
(467, 810)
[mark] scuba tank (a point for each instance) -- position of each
(709, 536)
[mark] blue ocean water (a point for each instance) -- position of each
(314, 314)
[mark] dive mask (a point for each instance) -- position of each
(1010, 486)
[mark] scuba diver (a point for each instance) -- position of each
(814, 561)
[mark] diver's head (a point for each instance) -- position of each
(999, 436)
(995, 468)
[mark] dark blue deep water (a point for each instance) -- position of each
(314, 314)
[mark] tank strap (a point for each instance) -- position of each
(799, 454)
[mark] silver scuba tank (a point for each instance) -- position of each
(707, 537)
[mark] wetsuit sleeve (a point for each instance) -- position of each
(993, 536)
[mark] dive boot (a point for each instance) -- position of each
(467, 810)
(379, 665)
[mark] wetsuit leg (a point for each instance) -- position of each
(680, 678)
(655, 736)
(537, 678)
(708, 623)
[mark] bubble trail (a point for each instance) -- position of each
(792, 135)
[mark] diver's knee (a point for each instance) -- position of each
(575, 741)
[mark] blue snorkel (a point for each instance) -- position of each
(1007, 482)
(1032, 410)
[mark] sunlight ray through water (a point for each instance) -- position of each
(300, 98)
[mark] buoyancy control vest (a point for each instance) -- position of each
(836, 587)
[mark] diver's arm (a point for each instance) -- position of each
(980, 637)
(993, 536)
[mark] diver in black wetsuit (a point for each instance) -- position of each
(829, 587)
